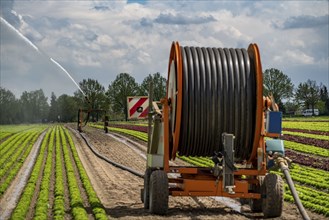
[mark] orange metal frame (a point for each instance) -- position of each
(197, 181)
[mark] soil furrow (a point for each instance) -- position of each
(52, 183)
(31, 211)
(82, 190)
(67, 207)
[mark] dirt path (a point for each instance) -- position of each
(119, 190)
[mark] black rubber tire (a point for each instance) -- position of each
(142, 195)
(145, 192)
(243, 201)
(256, 204)
(159, 192)
(272, 192)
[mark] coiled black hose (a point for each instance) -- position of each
(219, 95)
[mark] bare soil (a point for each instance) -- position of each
(119, 190)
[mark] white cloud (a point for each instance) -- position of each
(100, 39)
(294, 57)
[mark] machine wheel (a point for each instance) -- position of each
(159, 192)
(256, 204)
(146, 190)
(272, 190)
(243, 201)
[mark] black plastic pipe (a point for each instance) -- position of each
(294, 193)
(134, 172)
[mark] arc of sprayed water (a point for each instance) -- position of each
(62, 68)
(37, 49)
(20, 34)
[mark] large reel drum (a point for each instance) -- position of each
(212, 91)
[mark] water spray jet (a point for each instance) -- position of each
(40, 52)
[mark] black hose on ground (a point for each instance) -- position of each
(294, 193)
(134, 172)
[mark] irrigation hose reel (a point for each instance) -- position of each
(215, 107)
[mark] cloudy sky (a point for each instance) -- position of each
(100, 39)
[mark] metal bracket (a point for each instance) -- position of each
(228, 163)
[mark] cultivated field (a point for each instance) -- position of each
(306, 143)
(57, 187)
(48, 172)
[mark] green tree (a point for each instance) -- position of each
(324, 97)
(159, 86)
(96, 98)
(9, 107)
(278, 84)
(67, 108)
(53, 110)
(290, 108)
(34, 106)
(124, 85)
(307, 93)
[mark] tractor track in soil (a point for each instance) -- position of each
(119, 190)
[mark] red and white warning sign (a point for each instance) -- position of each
(138, 107)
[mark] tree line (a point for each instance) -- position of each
(33, 106)
(291, 99)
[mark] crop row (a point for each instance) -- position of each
(3, 135)
(15, 128)
(308, 141)
(308, 160)
(14, 150)
(323, 133)
(23, 205)
(307, 148)
(314, 136)
(59, 194)
(96, 205)
(138, 134)
(10, 143)
(14, 160)
(57, 159)
(130, 127)
(316, 126)
(318, 205)
(42, 204)
(76, 201)
(307, 119)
